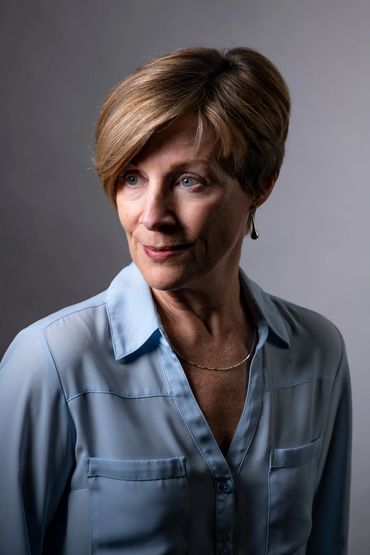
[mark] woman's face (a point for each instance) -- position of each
(184, 217)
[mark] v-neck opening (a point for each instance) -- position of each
(228, 464)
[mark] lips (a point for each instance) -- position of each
(164, 252)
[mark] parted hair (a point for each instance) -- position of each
(238, 95)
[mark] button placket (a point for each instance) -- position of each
(225, 508)
(224, 486)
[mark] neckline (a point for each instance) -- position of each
(222, 464)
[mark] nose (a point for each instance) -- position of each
(157, 210)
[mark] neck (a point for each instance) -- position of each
(217, 310)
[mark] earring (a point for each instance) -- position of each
(254, 233)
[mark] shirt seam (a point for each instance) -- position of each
(105, 392)
(60, 384)
(144, 477)
(71, 422)
(49, 324)
(287, 386)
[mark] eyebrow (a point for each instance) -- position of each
(192, 163)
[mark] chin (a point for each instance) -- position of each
(165, 278)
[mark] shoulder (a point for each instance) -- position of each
(300, 320)
(311, 335)
(84, 310)
(68, 320)
(33, 352)
(310, 340)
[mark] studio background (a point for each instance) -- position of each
(60, 238)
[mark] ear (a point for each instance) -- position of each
(259, 199)
(266, 191)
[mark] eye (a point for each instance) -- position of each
(188, 181)
(130, 179)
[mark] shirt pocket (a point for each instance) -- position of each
(138, 506)
(292, 477)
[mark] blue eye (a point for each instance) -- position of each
(131, 179)
(188, 181)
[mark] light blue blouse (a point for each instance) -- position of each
(105, 450)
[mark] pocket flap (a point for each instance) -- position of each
(294, 456)
(148, 469)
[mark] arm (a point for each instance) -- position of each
(36, 443)
(329, 535)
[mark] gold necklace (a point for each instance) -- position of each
(215, 368)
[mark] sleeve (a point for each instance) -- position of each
(329, 535)
(36, 443)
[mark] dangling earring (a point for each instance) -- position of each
(254, 233)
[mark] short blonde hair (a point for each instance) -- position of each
(239, 95)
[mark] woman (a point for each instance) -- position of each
(183, 410)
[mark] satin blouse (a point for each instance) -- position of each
(105, 450)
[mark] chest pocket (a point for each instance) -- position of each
(292, 479)
(138, 506)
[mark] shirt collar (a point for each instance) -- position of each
(133, 318)
(131, 312)
(267, 307)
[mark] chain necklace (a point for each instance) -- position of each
(215, 368)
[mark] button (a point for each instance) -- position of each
(224, 487)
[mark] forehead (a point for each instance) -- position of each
(178, 143)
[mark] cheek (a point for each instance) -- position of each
(230, 227)
(194, 220)
(125, 217)
(230, 217)
(215, 225)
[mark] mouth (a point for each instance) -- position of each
(164, 252)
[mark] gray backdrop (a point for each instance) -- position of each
(60, 238)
